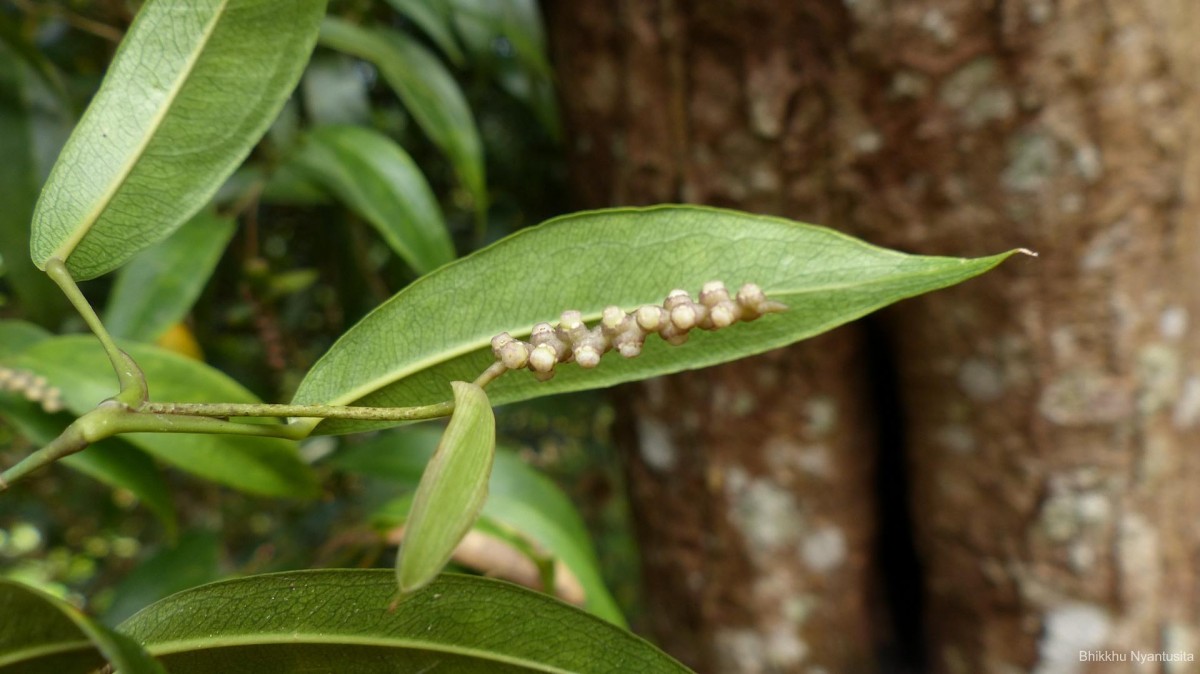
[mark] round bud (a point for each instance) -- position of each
(587, 356)
(53, 401)
(542, 358)
(630, 349)
(675, 298)
(684, 317)
(514, 355)
(612, 317)
(649, 317)
(713, 293)
(751, 296)
(570, 320)
(724, 314)
(498, 343)
(541, 332)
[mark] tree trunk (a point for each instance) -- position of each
(1052, 408)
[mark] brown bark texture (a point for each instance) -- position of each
(1052, 407)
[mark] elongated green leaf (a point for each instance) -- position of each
(268, 466)
(19, 182)
(452, 490)
(519, 497)
(40, 633)
(427, 89)
(339, 621)
(335, 91)
(376, 177)
(192, 88)
(112, 461)
(159, 285)
(622, 257)
(16, 336)
(433, 18)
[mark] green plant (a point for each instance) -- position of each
(154, 149)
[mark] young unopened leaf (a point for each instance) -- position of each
(375, 177)
(43, 634)
(426, 88)
(78, 366)
(340, 621)
(192, 88)
(520, 499)
(403, 352)
(452, 490)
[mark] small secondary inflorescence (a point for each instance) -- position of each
(626, 332)
(35, 388)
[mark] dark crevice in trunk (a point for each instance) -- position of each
(899, 567)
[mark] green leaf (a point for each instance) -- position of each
(375, 177)
(52, 636)
(268, 466)
(113, 461)
(452, 490)
(439, 328)
(191, 562)
(192, 88)
(519, 498)
(335, 91)
(16, 336)
(19, 182)
(426, 88)
(339, 621)
(433, 18)
(159, 285)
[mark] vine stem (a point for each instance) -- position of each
(298, 411)
(129, 374)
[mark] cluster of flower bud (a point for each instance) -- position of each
(33, 387)
(626, 332)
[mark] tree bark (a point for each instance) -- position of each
(1052, 407)
(752, 482)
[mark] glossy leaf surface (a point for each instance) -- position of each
(267, 466)
(190, 91)
(425, 87)
(376, 178)
(623, 257)
(340, 621)
(452, 489)
(159, 285)
(43, 634)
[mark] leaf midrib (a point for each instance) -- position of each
(272, 639)
(57, 648)
(69, 245)
(448, 354)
